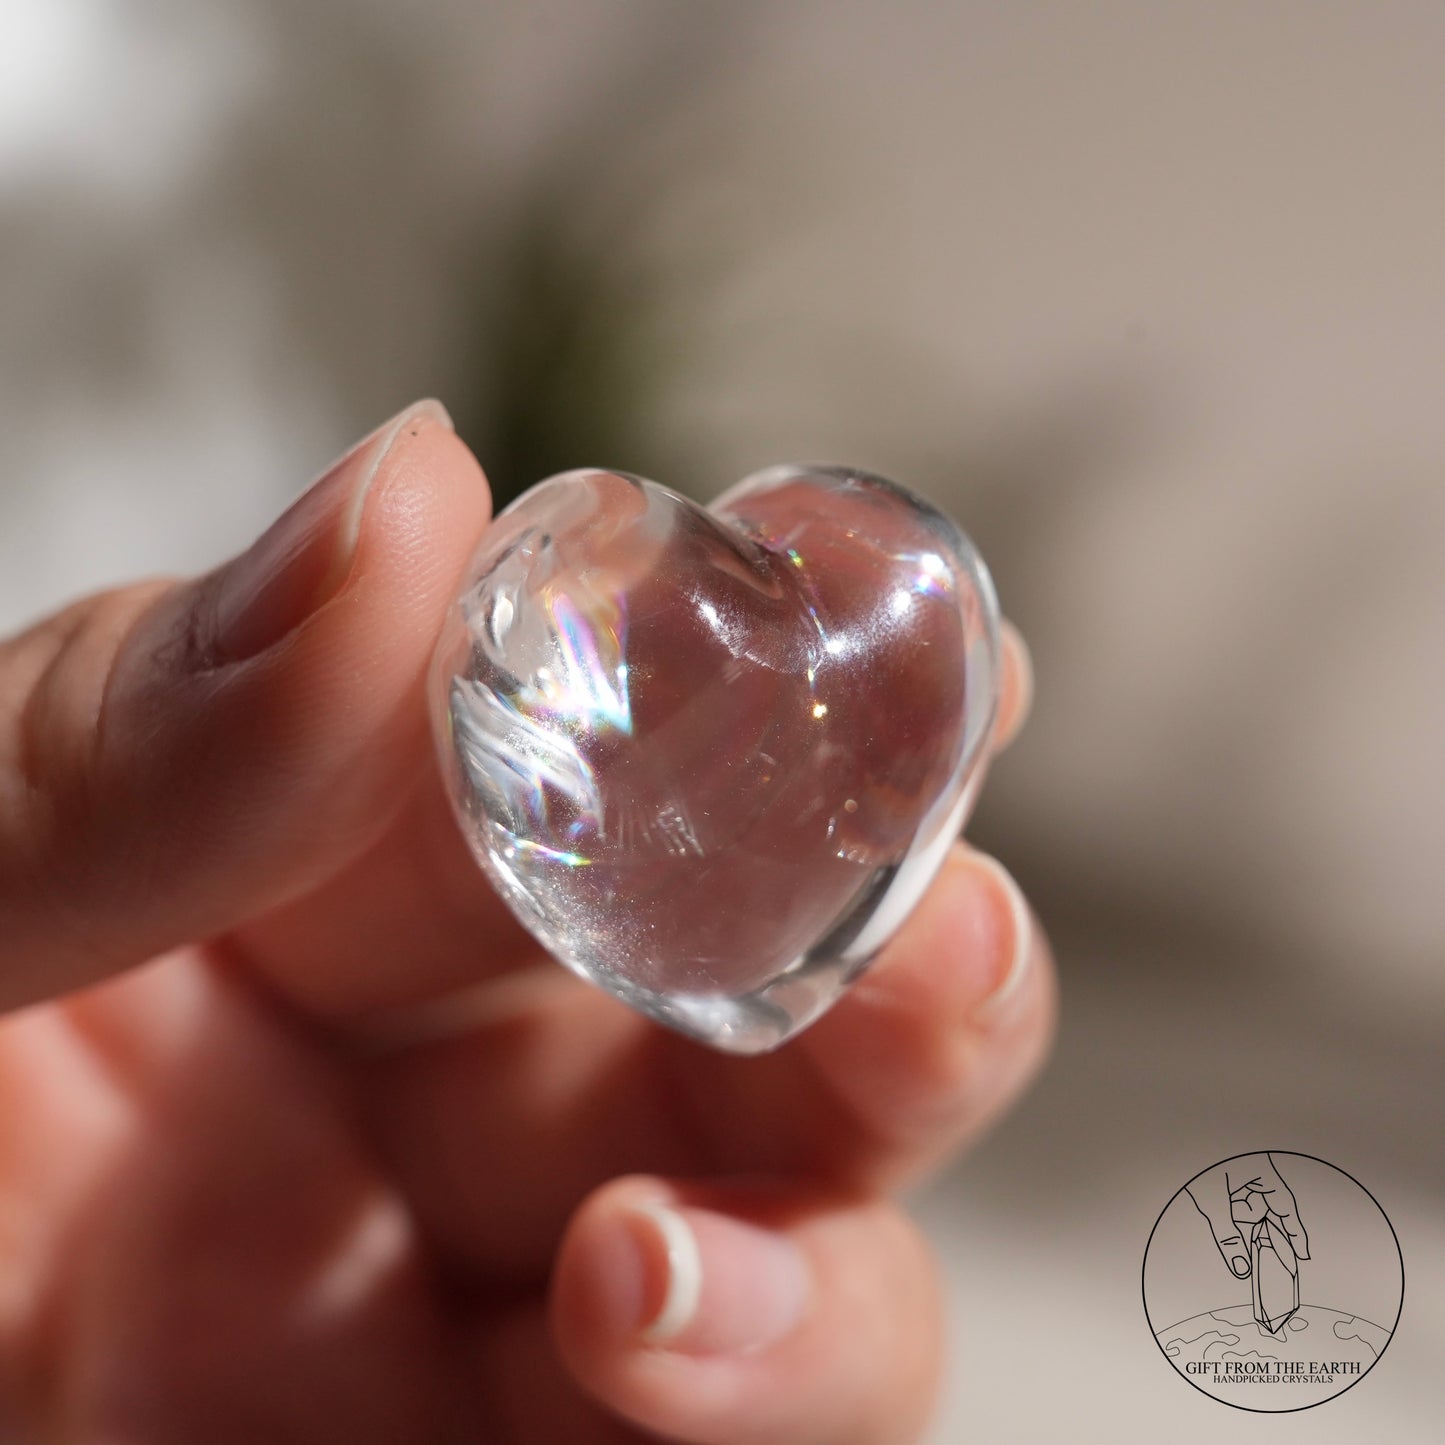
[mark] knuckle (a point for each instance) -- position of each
(54, 679)
(41, 673)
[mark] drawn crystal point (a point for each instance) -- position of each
(1274, 1276)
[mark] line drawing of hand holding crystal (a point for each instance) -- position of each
(1307, 1331)
(1255, 1221)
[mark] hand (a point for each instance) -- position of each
(302, 1139)
(1241, 1192)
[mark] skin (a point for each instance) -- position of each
(301, 1138)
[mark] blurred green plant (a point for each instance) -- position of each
(570, 359)
(581, 316)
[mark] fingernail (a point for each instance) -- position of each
(301, 560)
(1017, 923)
(1240, 1265)
(711, 1284)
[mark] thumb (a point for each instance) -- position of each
(175, 756)
(1214, 1205)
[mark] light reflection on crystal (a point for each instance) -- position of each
(933, 576)
(709, 757)
(589, 685)
(539, 850)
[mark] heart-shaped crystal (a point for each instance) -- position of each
(712, 757)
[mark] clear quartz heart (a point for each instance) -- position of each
(711, 757)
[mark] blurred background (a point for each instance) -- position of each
(1150, 297)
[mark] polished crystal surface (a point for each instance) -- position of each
(712, 757)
